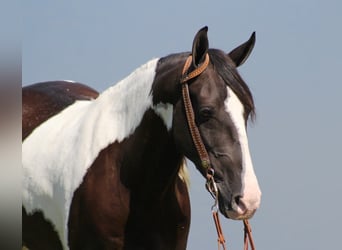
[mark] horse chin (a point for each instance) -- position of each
(234, 215)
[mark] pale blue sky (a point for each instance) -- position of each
(294, 73)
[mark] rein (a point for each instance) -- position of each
(203, 154)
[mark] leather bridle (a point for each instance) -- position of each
(190, 116)
(202, 152)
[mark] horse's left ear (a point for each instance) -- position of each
(240, 54)
(200, 47)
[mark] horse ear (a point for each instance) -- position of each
(240, 54)
(200, 47)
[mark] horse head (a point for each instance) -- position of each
(222, 104)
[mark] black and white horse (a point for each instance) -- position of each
(106, 171)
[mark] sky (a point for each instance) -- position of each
(294, 73)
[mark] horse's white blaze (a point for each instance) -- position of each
(57, 154)
(251, 193)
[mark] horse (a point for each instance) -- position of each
(107, 171)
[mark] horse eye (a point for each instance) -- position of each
(206, 113)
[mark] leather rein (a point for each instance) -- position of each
(203, 154)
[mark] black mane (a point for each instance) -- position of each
(227, 70)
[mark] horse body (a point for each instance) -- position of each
(101, 171)
(73, 128)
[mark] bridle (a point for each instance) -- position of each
(203, 154)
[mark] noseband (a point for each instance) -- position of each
(202, 152)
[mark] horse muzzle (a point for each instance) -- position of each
(240, 207)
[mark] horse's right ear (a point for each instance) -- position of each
(200, 47)
(240, 54)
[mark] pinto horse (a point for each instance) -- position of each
(105, 171)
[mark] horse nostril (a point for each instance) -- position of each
(239, 204)
(237, 199)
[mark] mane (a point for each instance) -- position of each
(227, 70)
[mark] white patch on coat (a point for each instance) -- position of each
(57, 154)
(251, 194)
(165, 111)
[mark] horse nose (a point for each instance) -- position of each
(243, 207)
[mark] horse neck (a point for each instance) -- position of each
(143, 104)
(150, 158)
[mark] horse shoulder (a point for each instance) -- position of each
(100, 204)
